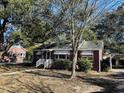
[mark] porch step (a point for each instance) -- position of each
(40, 62)
(46, 63)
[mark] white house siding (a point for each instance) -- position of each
(86, 53)
(100, 55)
(61, 52)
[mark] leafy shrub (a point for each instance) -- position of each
(105, 65)
(61, 64)
(84, 64)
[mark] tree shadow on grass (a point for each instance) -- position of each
(50, 74)
(7, 90)
(34, 88)
(109, 86)
(119, 77)
(29, 85)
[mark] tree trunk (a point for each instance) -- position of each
(74, 60)
(1, 41)
(2, 30)
(1, 37)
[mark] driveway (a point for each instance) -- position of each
(119, 78)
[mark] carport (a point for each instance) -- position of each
(117, 56)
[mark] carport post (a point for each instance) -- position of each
(110, 62)
(45, 59)
(117, 62)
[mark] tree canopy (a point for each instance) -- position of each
(27, 16)
(111, 29)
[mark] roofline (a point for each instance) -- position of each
(66, 49)
(50, 49)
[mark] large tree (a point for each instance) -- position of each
(111, 29)
(8, 11)
(77, 17)
(31, 34)
(26, 15)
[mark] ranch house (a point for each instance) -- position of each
(91, 49)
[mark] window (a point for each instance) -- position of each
(62, 57)
(56, 56)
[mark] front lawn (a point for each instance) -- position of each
(52, 81)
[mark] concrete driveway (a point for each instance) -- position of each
(119, 78)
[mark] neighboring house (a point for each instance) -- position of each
(91, 49)
(17, 53)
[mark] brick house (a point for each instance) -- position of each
(17, 53)
(91, 49)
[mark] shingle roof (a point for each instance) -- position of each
(85, 45)
(17, 49)
(92, 45)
